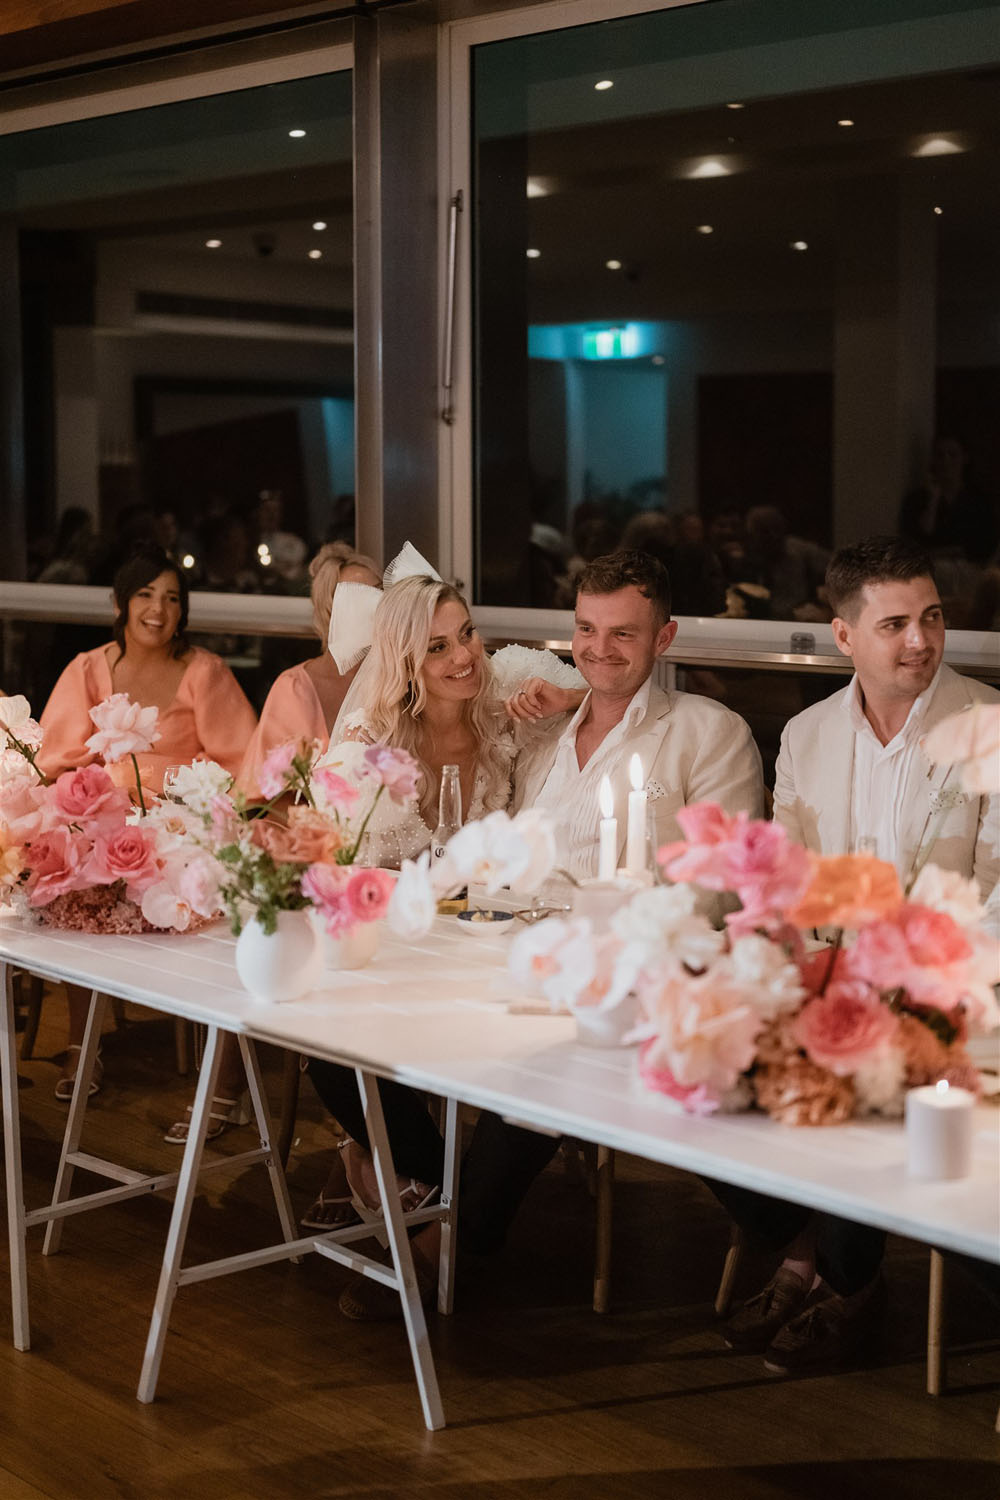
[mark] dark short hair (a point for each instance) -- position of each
(141, 567)
(878, 559)
(622, 570)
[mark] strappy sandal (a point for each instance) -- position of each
(316, 1218)
(370, 1213)
(65, 1085)
(224, 1115)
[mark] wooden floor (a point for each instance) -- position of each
(266, 1391)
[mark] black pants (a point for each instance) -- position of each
(847, 1255)
(499, 1167)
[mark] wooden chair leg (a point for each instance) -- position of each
(290, 1079)
(734, 1254)
(605, 1205)
(32, 992)
(935, 1326)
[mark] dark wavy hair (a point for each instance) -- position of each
(877, 559)
(621, 570)
(146, 563)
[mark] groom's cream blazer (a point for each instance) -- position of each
(815, 776)
(693, 749)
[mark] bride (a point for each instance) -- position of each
(427, 686)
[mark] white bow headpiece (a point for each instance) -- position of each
(352, 616)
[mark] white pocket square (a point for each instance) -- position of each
(654, 790)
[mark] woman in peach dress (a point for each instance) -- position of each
(202, 709)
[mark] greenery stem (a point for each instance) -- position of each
(138, 783)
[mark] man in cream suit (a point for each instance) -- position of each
(691, 749)
(851, 774)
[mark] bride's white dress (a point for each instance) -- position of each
(395, 833)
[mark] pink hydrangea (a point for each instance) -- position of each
(396, 770)
(845, 1027)
(123, 728)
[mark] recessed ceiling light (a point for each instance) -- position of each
(705, 228)
(938, 209)
(605, 83)
(213, 244)
(939, 145)
(540, 187)
(800, 245)
(845, 123)
(735, 105)
(613, 265)
(296, 135)
(532, 254)
(315, 255)
(708, 166)
(320, 224)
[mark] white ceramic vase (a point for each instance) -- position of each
(353, 951)
(279, 965)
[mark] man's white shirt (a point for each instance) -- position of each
(883, 781)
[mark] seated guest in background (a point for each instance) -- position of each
(202, 710)
(850, 770)
(304, 702)
(692, 749)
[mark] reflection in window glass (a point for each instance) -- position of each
(186, 281)
(737, 293)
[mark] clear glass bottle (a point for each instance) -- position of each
(449, 822)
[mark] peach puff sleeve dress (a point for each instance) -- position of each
(292, 711)
(209, 718)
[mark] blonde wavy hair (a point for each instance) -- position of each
(391, 689)
(325, 570)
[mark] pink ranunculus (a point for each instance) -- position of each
(845, 1027)
(325, 886)
(272, 778)
(368, 893)
(129, 855)
(123, 728)
(396, 770)
(89, 796)
(339, 794)
(707, 823)
(198, 885)
(704, 857)
(56, 861)
(23, 801)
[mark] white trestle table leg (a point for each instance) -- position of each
(12, 1165)
(449, 1200)
(187, 1186)
(77, 1114)
(399, 1245)
(265, 1127)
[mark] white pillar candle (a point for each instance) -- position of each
(607, 863)
(939, 1132)
(635, 845)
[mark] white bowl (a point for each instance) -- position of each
(496, 923)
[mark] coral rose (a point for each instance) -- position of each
(128, 855)
(848, 890)
(308, 838)
(56, 861)
(89, 796)
(845, 1027)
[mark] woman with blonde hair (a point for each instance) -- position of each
(427, 686)
(304, 702)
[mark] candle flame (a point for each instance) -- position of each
(635, 773)
(607, 798)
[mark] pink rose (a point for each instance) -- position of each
(273, 776)
(128, 855)
(325, 886)
(766, 870)
(22, 805)
(90, 796)
(845, 1027)
(368, 893)
(123, 728)
(396, 770)
(338, 792)
(55, 860)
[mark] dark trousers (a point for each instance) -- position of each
(499, 1167)
(848, 1255)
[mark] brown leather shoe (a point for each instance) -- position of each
(751, 1329)
(828, 1331)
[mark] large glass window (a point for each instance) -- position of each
(737, 299)
(187, 334)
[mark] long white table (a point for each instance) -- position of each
(438, 1015)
